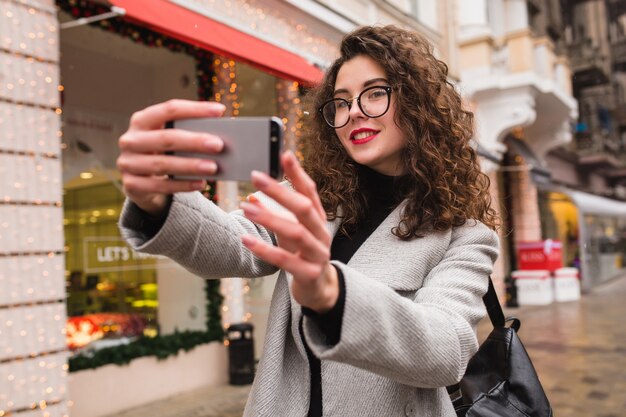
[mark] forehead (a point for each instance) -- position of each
(354, 73)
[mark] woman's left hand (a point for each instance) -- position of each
(303, 240)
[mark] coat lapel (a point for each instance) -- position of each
(402, 265)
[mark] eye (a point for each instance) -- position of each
(376, 93)
(341, 104)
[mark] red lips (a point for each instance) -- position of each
(363, 135)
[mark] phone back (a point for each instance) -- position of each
(250, 143)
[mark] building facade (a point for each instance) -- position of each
(519, 85)
(594, 163)
(517, 72)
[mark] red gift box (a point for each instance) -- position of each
(544, 254)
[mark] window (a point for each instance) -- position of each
(112, 292)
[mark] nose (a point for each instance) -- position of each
(355, 110)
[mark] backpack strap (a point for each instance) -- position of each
(496, 315)
(494, 310)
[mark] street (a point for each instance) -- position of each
(579, 351)
(578, 347)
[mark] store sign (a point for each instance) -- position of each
(103, 254)
(545, 254)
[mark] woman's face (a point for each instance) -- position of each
(374, 142)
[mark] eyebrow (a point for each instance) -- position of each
(365, 84)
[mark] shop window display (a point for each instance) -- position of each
(112, 292)
(606, 240)
(559, 221)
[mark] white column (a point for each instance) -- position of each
(232, 288)
(225, 90)
(473, 22)
(516, 13)
(427, 13)
(33, 347)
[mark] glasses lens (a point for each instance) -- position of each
(336, 112)
(375, 101)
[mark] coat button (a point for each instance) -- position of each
(409, 410)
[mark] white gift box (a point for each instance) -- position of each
(533, 287)
(566, 284)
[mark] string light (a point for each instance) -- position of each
(33, 353)
(225, 88)
(272, 22)
(290, 110)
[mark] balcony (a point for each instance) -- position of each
(598, 151)
(590, 65)
(618, 52)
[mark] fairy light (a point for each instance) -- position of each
(225, 89)
(33, 353)
(290, 111)
(270, 21)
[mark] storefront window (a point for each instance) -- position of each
(606, 247)
(559, 221)
(112, 292)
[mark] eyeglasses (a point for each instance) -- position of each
(373, 102)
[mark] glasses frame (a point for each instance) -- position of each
(349, 102)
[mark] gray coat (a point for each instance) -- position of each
(409, 321)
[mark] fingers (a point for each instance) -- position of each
(164, 140)
(154, 117)
(301, 181)
(145, 164)
(292, 236)
(283, 259)
(135, 184)
(299, 204)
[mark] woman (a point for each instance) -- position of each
(385, 240)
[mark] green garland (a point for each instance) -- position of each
(214, 300)
(167, 345)
(159, 346)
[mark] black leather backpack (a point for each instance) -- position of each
(500, 380)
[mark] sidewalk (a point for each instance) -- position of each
(578, 347)
(222, 401)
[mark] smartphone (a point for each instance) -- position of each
(250, 143)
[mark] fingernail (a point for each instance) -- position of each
(252, 199)
(214, 144)
(220, 106)
(260, 179)
(207, 166)
(250, 209)
(248, 240)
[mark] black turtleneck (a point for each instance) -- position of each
(383, 194)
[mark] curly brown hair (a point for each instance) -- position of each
(445, 184)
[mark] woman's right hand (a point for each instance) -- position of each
(144, 164)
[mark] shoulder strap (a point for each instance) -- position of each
(493, 306)
(496, 315)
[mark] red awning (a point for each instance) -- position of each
(190, 27)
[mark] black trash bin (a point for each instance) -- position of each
(240, 353)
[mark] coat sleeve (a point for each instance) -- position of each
(424, 341)
(200, 236)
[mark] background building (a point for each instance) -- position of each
(593, 164)
(517, 69)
